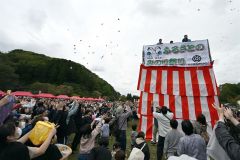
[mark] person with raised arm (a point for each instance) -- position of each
(225, 139)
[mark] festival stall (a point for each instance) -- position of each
(179, 76)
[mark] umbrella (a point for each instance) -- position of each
(22, 93)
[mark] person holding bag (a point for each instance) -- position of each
(15, 149)
(141, 149)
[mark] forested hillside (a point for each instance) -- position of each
(24, 70)
(230, 93)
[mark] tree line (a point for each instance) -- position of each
(29, 71)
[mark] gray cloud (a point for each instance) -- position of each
(220, 6)
(7, 43)
(36, 19)
(155, 8)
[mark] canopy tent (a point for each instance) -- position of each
(22, 93)
(45, 95)
(89, 99)
(99, 99)
(84, 99)
(76, 98)
(62, 97)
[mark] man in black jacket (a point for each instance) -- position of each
(186, 39)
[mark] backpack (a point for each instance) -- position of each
(137, 154)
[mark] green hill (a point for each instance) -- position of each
(24, 70)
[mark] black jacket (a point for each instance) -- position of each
(60, 119)
(100, 153)
(228, 143)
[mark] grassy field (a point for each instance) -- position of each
(152, 148)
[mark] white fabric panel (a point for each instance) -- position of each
(153, 81)
(191, 108)
(205, 109)
(178, 106)
(175, 83)
(166, 100)
(144, 102)
(213, 80)
(143, 79)
(144, 124)
(164, 82)
(202, 83)
(188, 83)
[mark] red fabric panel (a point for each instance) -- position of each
(148, 81)
(139, 78)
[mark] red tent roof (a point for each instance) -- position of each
(22, 93)
(45, 95)
(90, 99)
(99, 99)
(76, 97)
(63, 97)
(2, 93)
(83, 99)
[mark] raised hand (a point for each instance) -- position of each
(228, 113)
(220, 111)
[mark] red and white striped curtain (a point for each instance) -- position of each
(187, 91)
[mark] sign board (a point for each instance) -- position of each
(183, 54)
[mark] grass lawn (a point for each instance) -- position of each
(152, 148)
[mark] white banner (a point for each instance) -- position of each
(195, 53)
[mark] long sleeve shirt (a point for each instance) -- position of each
(163, 122)
(122, 120)
(72, 111)
(87, 144)
(105, 131)
(171, 142)
(227, 142)
(193, 146)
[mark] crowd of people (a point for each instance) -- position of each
(87, 127)
(194, 142)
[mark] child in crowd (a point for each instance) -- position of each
(134, 134)
(120, 155)
(105, 130)
(116, 148)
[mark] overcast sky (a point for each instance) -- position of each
(109, 34)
